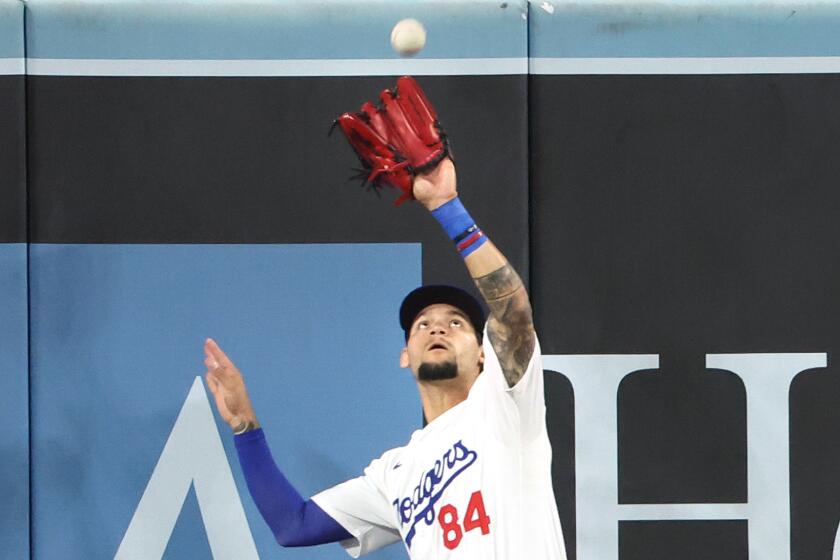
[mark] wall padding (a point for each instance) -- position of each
(184, 185)
(14, 399)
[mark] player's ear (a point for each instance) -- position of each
(481, 356)
(404, 358)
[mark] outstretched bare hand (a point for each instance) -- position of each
(437, 186)
(228, 388)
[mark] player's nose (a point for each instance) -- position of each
(438, 327)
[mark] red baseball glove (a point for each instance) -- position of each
(397, 139)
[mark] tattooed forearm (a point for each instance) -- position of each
(499, 284)
(511, 324)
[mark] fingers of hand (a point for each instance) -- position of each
(219, 369)
(220, 385)
(214, 351)
(212, 382)
(218, 396)
(223, 379)
(212, 364)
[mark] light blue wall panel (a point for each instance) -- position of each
(683, 29)
(11, 29)
(117, 343)
(287, 29)
(14, 399)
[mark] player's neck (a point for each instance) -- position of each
(439, 396)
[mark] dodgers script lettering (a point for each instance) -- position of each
(420, 505)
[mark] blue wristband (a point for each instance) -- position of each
(459, 226)
(453, 217)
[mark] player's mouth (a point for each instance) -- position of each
(437, 346)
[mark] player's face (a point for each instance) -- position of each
(442, 334)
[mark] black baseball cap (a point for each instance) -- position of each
(424, 296)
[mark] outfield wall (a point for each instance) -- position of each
(14, 332)
(661, 176)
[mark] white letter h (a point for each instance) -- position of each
(766, 377)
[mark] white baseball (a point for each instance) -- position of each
(408, 37)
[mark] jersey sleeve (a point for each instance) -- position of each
(362, 508)
(293, 521)
(517, 410)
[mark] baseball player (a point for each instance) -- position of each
(475, 483)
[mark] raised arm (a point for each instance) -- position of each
(293, 520)
(511, 324)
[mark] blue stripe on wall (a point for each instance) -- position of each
(289, 29)
(682, 29)
(461, 29)
(14, 404)
(11, 29)
(117, 342)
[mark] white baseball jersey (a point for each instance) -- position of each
(475, 483)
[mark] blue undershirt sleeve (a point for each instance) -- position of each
(293, 521)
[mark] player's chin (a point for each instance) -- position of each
(437, 370)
